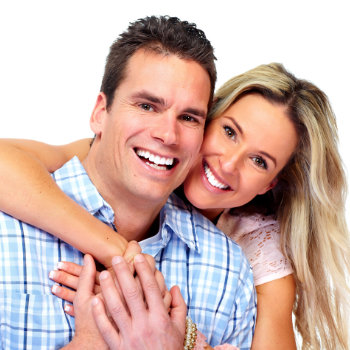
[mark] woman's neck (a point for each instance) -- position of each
(211, 214)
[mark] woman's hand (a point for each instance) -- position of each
(68, 276)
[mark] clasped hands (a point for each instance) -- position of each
(118, 309)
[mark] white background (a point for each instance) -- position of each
(52, 54)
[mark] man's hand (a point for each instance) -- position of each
(142, 322)
(68, 275)
(87, 335)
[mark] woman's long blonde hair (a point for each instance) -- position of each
(309, 203)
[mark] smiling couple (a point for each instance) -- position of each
(149, 121)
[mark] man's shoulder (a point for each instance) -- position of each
(71, 169)
(75, 182)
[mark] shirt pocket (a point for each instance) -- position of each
(34, 321)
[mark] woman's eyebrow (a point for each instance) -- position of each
(235, 123)
(273, 159)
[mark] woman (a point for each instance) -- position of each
(297, 188)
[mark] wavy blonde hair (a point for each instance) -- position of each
(309, 203)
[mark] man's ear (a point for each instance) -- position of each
(272, 184)
(98, 114)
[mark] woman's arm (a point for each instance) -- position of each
(29, 193)
(274, 327)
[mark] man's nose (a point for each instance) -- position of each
(167, 129)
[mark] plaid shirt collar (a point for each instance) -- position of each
(174, 216)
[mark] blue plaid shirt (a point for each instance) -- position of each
(214, 277)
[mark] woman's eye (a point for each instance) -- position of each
(146, 107)
(229, 132)
(260, 162)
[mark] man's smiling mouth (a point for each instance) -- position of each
(155, 161)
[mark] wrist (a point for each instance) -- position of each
(114, 244)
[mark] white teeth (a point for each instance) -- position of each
(212, 179)
(157, 161)
(155, 166)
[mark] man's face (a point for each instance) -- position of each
(150, 137)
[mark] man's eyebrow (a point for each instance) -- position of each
(159, 100)
(149, 97)
(268, 155)
(197, 112)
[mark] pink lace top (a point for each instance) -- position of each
(259, 237)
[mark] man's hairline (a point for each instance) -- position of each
(147, 48)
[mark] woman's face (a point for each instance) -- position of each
(242, 153)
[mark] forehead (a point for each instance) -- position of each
(168, 76)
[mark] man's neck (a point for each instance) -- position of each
(136, 223)
(135, 218)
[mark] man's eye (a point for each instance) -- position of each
(229, 132)
(146, 107)
(260, 162)
(188, 118)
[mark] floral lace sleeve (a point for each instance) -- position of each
(259, 238)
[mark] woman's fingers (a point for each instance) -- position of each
(69, 309)
(69, 279)
(63, 293)
(73, 270)
(64, 278)
(69, 267)
(132, 249)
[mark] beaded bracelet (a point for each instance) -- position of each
(191, 334)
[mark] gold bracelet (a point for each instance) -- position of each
(191, 334)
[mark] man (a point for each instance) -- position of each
(148, 121)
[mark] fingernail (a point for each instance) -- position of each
(117, 260)
(52, 274)
(86, 259)
(104, 275)
(94, 301)
(60, 265)
(67, 308)
(55, 289)
(139, 258)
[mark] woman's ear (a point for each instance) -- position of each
(272, 184)
(98, 114)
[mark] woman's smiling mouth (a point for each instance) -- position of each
(213, 180)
